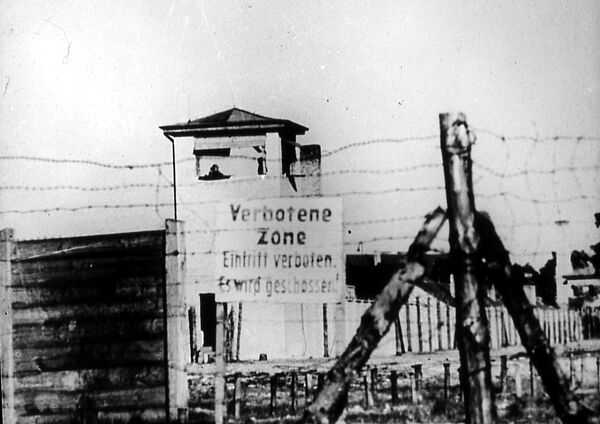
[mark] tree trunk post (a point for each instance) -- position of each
(471, 320)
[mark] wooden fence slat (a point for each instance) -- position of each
(419, 329)
(429, 329)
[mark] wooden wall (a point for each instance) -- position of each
(88, 329)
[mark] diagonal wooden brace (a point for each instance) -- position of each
(375, 323)
(499, 268)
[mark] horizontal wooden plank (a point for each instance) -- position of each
(147, 415)
(93, 330)
(113, 291)
(89, 355)
(99, 310)
(78, 245)
(117, 266)
(134, 376)
(37, 402)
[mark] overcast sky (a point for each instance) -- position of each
(94, 80)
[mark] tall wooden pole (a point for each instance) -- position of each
(471, 320)
(220, 365)
(176, 318)
(7, 385)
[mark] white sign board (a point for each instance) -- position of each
(279, 250)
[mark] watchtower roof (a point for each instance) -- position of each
(232, 122)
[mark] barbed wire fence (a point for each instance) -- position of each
(542, 191)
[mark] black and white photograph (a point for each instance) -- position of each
(297, 212)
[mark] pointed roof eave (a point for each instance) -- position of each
(232, 122)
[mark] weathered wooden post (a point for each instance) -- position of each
(325, 333)
(239, 332)
(273, 397)
(368, 400)
(176, 318)
(518, 380)
(394, 385)
(193, 338)
(6, 329)
(429, 329)
(294, 384)
(398, 333)
(598, 374)
(531, 380)
(503, 373)
(307, 388)
(419, 329)
(237, 398)
(408, 334)
(418, 373)
(440, 324)
(449, 331)
(446, 380)
(414, 395)
(471, 320)
(220, 364)
(571, 371)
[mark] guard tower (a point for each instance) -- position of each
(223, 134)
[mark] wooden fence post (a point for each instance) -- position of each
(193, 338)
(273, 397)
(7, 383)
(307, 388)
(446, 380)
(239, 333)
(237, 398)
(531, 379)
(408, 335)
(449, 331)
(598, 374)
(367, 394)
(418, 370)
(439, 324)
(220, 364)
(176, 318)
(518, 380)
(419, 329)
(325, 333)
(293, 397)
(394, 385)
(503, 373)
(398, 333)
(471, 319)
(429, 329)
(373, 384)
